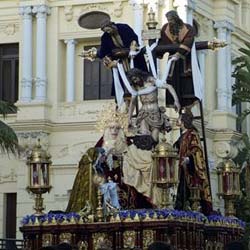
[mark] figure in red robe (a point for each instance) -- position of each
(193, 173)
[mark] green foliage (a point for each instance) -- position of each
(8, 138)
(241, 88)
(241, 93)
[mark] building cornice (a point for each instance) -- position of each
(56, 3)
(49, 126)
(241, 34)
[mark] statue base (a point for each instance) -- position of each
(133, 229)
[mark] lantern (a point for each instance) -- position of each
(165, 172)
(39, 163)
(228, 184)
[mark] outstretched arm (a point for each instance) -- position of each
(174, 95)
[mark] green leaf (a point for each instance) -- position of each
(243, 115)
(7, 108)
(245, 51)
(8, 139)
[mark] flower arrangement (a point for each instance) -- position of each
(219, 220)
(51, 218)
(138, 215)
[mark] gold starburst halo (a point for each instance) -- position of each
(110, 115)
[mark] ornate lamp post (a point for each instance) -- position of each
(39, 163)
(228, 184)
(165, 174)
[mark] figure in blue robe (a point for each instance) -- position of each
(116, 43)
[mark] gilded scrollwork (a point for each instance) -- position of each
(65, 237)
(82, 245)
(148, 238)
(47, 240)
(129, 239)
(101, 241)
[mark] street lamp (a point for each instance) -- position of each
(165, 174)
(228, 184)
(38, 162)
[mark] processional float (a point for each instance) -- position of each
(99, 226)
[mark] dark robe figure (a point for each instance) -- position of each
(192, 168)
(116, 42)
(181, 35)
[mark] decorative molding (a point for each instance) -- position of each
(148, 238)
(75, 151)
(94, 7)
(25, 11)
(9, 29)
(136, 2)
(224, 24)
(39, 82)
(70, 41)
(27, 140)
(223, 150)
(129, 239)
(41, 11)
(68, 12)
(118, 9)
(79, 110)
(226, 144)
(10, 177)
(102, 240)
(26, 82)
(113, 9)
(185, 3)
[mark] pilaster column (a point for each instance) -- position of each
(185, 10)
(138, 17)
(245, 15)
(41, 12)
(230, 80)
(224, 66)
(26, 82)
(70, 70)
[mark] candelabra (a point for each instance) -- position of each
(38, 162)
(228, 184)
(165, 174)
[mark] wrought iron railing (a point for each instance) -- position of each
(11, 244)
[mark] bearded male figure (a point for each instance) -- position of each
(193, 173)
(180, 76)
(151, 119)
(119, 41)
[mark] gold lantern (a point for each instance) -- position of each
(228, 184)
(152, 23)
(39, 163)
(165, 172)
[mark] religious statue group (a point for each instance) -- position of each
(120, 165)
